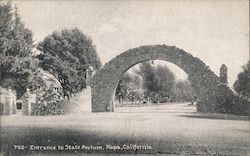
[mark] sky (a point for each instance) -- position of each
(215, 31)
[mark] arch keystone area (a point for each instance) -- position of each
(204, 82)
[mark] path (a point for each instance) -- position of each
(174, 129)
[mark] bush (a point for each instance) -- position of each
(228, 102)
(48, 101)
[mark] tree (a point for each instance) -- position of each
(148, 74)
(128, 83)
(183, 91)
(166, 81)
(16, 44)
(158, 82)
(66, 55)
(242, 84)
(133, 96)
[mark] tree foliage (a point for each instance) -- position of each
(16, 44)
(183, 91)
(158, 81)
(165, 81)
(242, 84)
(66, 55)
(148, 74)
(129, 83)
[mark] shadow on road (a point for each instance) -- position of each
(215, 116)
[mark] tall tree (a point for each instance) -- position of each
(66, 55)
(242, 84)
(157, 80)
(16, 44)
(148, 74)
(165, 80)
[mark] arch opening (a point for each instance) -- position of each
(153, 83)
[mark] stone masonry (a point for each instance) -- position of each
(203, 80)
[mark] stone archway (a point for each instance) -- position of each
(105, 81)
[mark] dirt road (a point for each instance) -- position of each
(170, 129)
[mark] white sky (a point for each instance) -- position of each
(215, 31)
